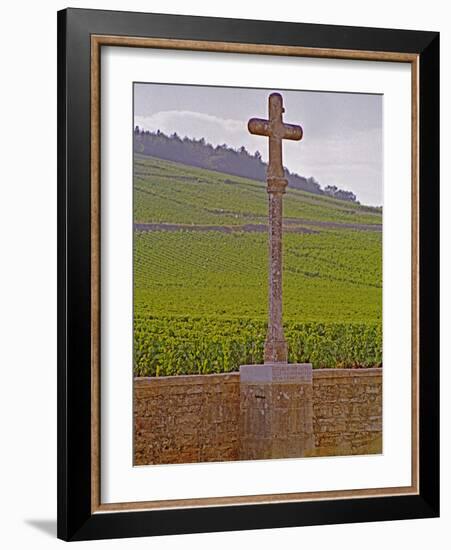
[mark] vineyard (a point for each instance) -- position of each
(168, 192)
(200, 274)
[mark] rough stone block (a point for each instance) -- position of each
(275, 411)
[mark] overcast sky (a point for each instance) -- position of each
(342, 143)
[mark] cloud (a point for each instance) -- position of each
(192, 124)
(351, 160)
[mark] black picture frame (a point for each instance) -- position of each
(76, 521)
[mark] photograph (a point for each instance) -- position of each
(257, 273)
(248, 272)
(226, 275)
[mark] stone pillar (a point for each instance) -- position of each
(276, 350)
(276, 411)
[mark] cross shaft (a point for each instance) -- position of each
(276, 350)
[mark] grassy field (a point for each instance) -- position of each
(200, 273)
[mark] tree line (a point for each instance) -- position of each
(222, 158)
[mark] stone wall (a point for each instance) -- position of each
(182, 419)
(347, 411)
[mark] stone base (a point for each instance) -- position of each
(276, 411)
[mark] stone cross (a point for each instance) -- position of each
(276, 349)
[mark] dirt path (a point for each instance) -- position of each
(291, 226)
(247, 228)
(335, 225)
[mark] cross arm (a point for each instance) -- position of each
(258, 126)
(292, 131)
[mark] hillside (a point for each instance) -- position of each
(223, 158)
(170, 192)
(200, 273)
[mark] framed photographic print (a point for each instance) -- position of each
(248, 274)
